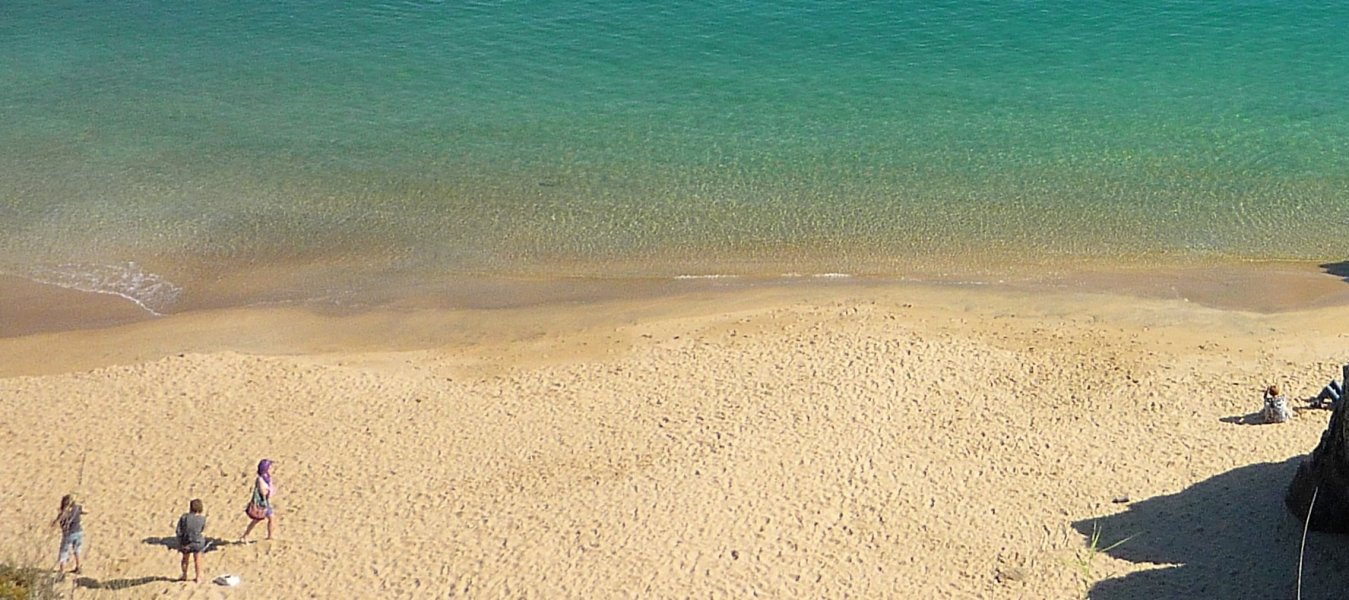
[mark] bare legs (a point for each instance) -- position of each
(196, 562)
(251, 524)
(74, 553)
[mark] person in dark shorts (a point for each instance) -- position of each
(191, 541)
(1329, 395)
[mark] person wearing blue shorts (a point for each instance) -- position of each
(72, 533)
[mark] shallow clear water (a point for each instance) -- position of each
(296, 150)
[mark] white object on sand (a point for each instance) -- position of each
(227, 580)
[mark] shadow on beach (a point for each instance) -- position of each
(1226, 537)
(1258, 417)
(1339, 269)
(117, 584)
(212, 544)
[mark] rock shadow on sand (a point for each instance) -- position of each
(1226, 537)
(1339, 269)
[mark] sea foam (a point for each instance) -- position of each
(128, 280)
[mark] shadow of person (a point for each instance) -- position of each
(1258, 417)
(117, 584)
(1255, 418)
(212, 544)
(1225, 537)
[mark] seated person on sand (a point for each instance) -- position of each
(1329, 395)
(1276, 406)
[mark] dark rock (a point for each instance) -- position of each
(1324, 473)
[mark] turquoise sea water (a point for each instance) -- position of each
(303, 149)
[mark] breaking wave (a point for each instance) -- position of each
(149, 291)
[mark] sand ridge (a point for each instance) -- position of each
(897, 441)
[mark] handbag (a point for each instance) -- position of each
(255, 511)
(257, 507)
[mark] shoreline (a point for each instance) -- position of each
(1267, 287)
(96, 330)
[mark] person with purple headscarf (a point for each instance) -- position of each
(260, 505)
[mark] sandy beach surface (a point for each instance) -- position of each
(852, 440)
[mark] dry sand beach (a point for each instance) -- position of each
(850, 440)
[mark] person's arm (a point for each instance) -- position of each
(60, 515)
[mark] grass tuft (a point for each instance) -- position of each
(26, 583)
(1087, 556)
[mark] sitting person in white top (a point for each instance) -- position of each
(1276, 406)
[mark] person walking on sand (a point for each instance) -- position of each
(260, 506)
(72, 533)
(191, 541)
